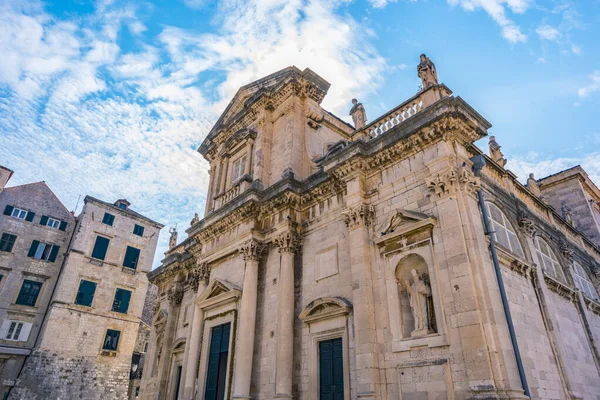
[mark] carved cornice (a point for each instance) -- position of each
(288, 242)
(592, 305)
(252, 250)
(360, 215)
(522, 269)
(560, 288)
(449, 181)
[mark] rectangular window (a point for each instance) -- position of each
(85, 293)
(238, 169)
(138, 230)
(111, 340)
(121, 302)
(331, 377)
(108, 219)
(43, 251)
(15, 330)
(100, 248)
(29, 293)
(132, 255)
(18, 213)
(53, 223)
(7, 242)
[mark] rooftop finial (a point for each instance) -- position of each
(427, 72)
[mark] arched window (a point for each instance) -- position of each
(548, 259)
(583, 282)
(504, 232)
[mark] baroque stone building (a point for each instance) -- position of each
(390, 260)
(71, 294)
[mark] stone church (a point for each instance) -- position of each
(391, 259)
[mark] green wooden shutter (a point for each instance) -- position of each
(63, 226)
(53, 253)
(125, 297)
(44, 220)
(338, 370)
(132, 256)
(213, 363)
(85, 294)
(100, 248)
(29, 216)
(33, 248)
(8, 210)
(325, 369)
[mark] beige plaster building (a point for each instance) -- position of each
(392, 259)
(86, 343)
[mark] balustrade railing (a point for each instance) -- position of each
(228, 196)
(395, 117)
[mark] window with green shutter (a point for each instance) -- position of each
(121, 302)
(132, 255)
(111, 340)
(85, 293)
(331, 376)
(7, 242)
(43, 251)
(108, 219)
(100, 248)
(138, 230)
(29, 293)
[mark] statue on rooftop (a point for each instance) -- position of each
(532, 185)
(173, 238)
(427, 72)
(195, 219)
(359, 115)
(566, 213)
(495, 152)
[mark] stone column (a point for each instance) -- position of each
(200, 281)
(288, 244)
(175, 295)
(244, 347)
(358, 218)
(210, 194)
(224, 165)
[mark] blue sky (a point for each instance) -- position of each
(112, 98)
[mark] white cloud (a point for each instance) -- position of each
(547, 32)
(592, 87)
(522, 166)
(576, 50)
(497, 10)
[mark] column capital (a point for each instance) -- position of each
(200, 273)
(175, 294)
(288, 242)
(566, 251)
(527, 225)
(252, 250)
(359, 215)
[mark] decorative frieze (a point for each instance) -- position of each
(360, 215)
(252, 250)
(449, 181)
(560, 288)
(288, 242)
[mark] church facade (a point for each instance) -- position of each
(391, 259)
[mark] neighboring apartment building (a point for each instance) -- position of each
(357, 262)
(35, 229)
(72, 291)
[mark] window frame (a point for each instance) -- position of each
(112, 308)
(108, 217)
(550, 259)
(137, 261)
(5, 238)
(507, 229)
(140, 230)
(19, 212)
(116, 347)
(94, 248)
(240, 162)
(53, 223)
(78, 291)
(37, 295)
(583, 282)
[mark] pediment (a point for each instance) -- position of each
(324, 308)
(218, 292)
(160, 318)
(402, 222)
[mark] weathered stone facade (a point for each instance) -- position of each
(27, 213)
(372, 241)
(88, 338)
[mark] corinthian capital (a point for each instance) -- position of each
(175, 294)
(360, 215)
(288, 242)
(526, 224)
(252, 250)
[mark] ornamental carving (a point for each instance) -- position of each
(288, 242)
(449, 181)
(175, 294)
(566, 251)
(252, 250)
(201, 273)
(361, 215)
(526, 223)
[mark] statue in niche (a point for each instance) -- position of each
(566, 213)
(427, 72)
(359, 115)
(173, 238)
(419, 294)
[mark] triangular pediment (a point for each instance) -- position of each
(324, 308)
(217, 289)
(401, 222)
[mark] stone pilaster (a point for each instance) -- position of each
(199, 281)
(288, 244)
(244, 347)
(174, 295)
(358, 218)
